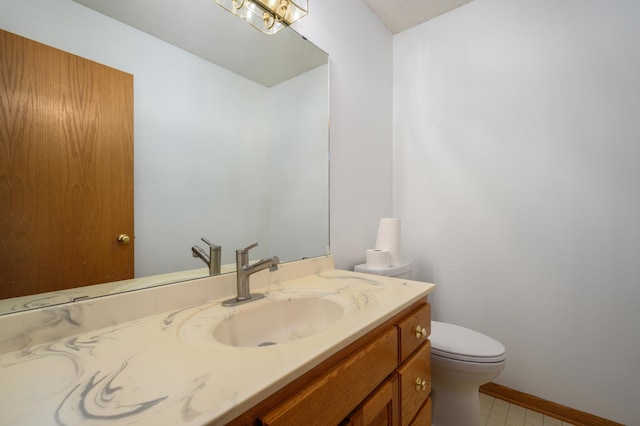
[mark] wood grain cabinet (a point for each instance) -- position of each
(415, 383)
(339, 390)
(424, 415)
(383, 378)
(379, 409)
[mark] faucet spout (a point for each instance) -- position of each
(272, 264)
(213, 259)
(244, 270)
(196, 251)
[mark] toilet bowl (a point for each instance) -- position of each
(461, 361)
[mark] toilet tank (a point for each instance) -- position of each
(402, 271)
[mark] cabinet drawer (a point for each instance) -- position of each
(410, 330)
(415, 383)
(337, 392)
(424, 415)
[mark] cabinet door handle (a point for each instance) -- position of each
(420, 332)
(421, 384)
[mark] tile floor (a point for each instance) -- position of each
(494, 412)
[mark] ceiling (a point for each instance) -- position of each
(398, 15)
(206, 30)
(196, 25)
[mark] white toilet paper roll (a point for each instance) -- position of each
(389, 239)
(378, 259)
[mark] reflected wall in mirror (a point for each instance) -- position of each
(216, 153)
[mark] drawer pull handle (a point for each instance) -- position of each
(420, 332)
(421, 384)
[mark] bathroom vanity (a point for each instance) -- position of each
(382, 378)
(336, 346)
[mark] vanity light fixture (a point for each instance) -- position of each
(268, 16)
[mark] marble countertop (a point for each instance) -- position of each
(165, 368)
(17, 304)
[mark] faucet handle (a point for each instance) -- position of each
(246, 249)
(213, 247)
(275, 260)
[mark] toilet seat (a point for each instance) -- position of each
(462, 344)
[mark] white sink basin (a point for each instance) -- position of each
(278, 321)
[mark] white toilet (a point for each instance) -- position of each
(461, 361)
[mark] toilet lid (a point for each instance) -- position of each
(455, 342)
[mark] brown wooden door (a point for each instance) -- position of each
(66, 169)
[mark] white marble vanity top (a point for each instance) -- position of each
(21, 303)
(72, 365)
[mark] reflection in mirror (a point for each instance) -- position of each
(230, 132)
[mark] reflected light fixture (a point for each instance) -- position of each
(268, 16)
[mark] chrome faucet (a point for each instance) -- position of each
(244, 271)
(213, 259)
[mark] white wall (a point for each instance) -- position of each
(360, 50)
(516, 171)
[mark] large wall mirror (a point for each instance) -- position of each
(230, 131)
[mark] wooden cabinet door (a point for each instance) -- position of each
(423, 418)
(338, 392)
(380, 408)
(66, 169)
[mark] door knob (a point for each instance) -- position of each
(123, 239)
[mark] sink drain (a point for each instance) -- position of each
(267, 343)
